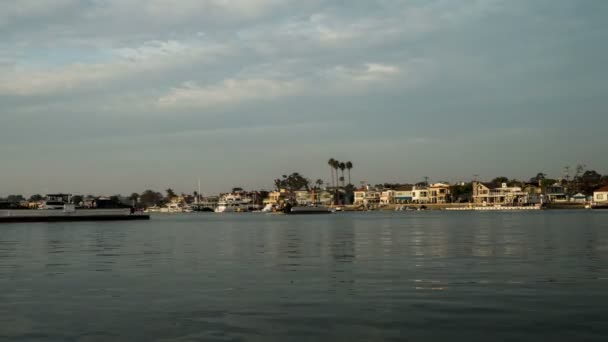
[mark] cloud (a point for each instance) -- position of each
(150, 58)
(233, 91)
(80, 70)
(230, 91)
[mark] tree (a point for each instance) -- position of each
(499, 180)
(77, 199)
(349, 166)
(150, 198)
(237, 189)
(15, 198)
(342, 167)
(331, 163)
(319, 183)
(170, 194)
(462, 193)
(336, 165)
(115, 199)
(36, 198)
(538, 178)
(292, 183)
(589, 181)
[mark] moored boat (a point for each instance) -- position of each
(303, 210)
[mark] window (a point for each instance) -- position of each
(599, 197)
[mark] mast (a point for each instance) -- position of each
(199, 190)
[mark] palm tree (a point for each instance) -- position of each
(316, 196)
(336, 167)
(349, 166)
(342, 167)
(331, 163)
(319, 182)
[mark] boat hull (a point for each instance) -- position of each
(307, 211)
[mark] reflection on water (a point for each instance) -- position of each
(361, 277)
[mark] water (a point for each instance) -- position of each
(408, 276)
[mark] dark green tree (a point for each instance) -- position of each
(77, 199)
(349, 166)
(170, 194)
(331, 163)
(150, 198)
(36, 198)
(15, 198)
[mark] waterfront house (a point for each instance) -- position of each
(367, 196)
(556, 193)
(438, 193)
(387, 196)
(403, 194)
(303, 197)
(420, 194)
(485, 193)
(600, 196)
(274, 197)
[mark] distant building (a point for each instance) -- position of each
(303, 197)
(439, 193)
(420, 194)
(274, 197)
(485, 193)
(579, 198)
(600, 196)
(387, 196)
(403, 194)
(556, 193)
(367, 196)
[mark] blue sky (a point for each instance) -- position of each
(115, 96)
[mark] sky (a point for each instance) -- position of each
(116, 96)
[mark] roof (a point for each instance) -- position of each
(439, 185)
(404, 188)
(486, 184)
(602, 189)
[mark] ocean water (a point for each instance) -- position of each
(403, 276)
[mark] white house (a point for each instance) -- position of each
(367, 196)
(403, 194)
(484, 193)
(387, 196)
(600, 196)
(420, 195)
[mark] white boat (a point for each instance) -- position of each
(234, 203)
(270, 207)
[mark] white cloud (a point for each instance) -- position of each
(230, 91)
(233, 91)
(151, 57)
